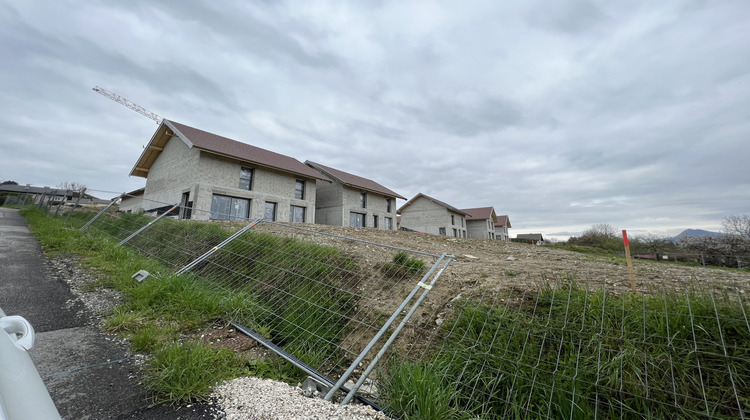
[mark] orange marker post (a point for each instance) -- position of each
(630, 260)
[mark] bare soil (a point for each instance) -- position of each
(500, 273)
(497, 265)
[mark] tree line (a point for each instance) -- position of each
(731, 248)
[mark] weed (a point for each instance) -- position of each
(403, 265)
(419, 391)
(187, 372)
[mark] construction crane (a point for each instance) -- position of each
(135, 107)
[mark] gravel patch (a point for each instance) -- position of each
(98, 301)
(260, 399)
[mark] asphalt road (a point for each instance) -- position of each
(89, 375)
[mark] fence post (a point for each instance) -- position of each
(382, 331)
(80, 194)
(49, 200)
(41, 200)
(111, 203)
(211, 251)
(148, 224)
(392, 338)
(62, 202)
(629, 259)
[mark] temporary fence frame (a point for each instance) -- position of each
(425, 283)
(520, 357)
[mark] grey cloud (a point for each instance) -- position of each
(573, 17)
(467, 118)
(247, 32)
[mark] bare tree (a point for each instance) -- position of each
(600, 236)
(653, 244)
(72, 186)
(602, 230)
(737, 225)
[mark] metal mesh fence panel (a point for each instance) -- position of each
(525, 347)
(305, 294)
(561, 350)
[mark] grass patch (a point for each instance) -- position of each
(403, 265)
(419, 392)
(188, 371)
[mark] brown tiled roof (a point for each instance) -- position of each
(480, 213)
(353, 180)
(446, 205)
(503, 221)
(219, 145)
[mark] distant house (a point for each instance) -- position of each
(425, 214)
(132, 202)
(480, 222)
(501, 228)
(26, 194)
(223, 179)
(350, 200)
(534, 238)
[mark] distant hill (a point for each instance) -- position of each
(696, 232)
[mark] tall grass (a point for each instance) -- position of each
(575, 354)
(287, 289)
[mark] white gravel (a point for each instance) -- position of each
(260, 399)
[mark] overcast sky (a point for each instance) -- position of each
(560, 114)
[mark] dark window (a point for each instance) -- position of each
(270, 213)
(356, 220)
(299, 190)
(453, 219)
(375, 222)
(363, 200)
(186, 206)
(297, 214)
(455, 233)
(462, 222)
(246, 178)
(229, 208)
(388, 223)
(441, 231)
(388, 205)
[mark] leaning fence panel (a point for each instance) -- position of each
(319, 303)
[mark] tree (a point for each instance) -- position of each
(9, 182)
(72, 186)
(653, 244)
(599, 236)
(602, 230)
(737, 225)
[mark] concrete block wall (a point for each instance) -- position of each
(171, 173)
(222, 176)
(179, 169)
(427, 216)
(334, 203)
(131, 204)
(481, 229)
(501, 233)
(328, 208)
(375, 206)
